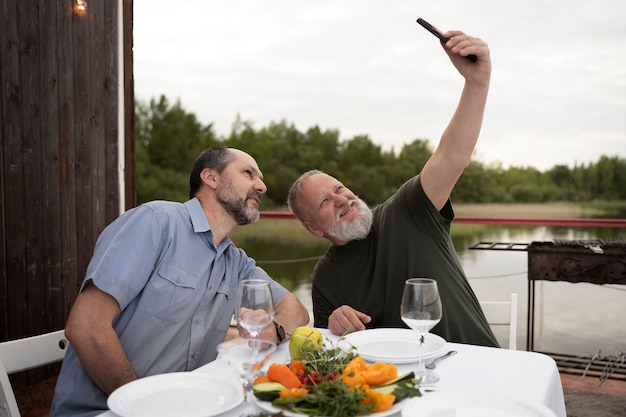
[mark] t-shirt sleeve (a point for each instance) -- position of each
(125, 254)
(412, 200)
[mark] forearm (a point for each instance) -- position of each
(291, 313)
(459, 138)
(103, 357)
(90, 332)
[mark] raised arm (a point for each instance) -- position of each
(457, 143)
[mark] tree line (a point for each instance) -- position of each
(168, 139)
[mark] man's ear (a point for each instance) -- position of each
(209, 177)
(313, 230)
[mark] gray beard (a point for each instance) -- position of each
(237, 207)
(354, 230)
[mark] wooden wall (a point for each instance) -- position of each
(59, 176)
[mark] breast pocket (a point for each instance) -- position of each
(170, 294)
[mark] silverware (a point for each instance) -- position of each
(433, 363)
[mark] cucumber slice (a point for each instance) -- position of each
(267, 391)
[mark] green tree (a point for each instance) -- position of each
(168, 139)
(167, 142)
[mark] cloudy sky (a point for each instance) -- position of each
(558, 91)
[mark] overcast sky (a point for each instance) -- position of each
(558, 90)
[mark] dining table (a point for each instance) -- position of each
(532, 376)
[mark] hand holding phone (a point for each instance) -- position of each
(442, 38)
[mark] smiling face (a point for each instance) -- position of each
(332, 211)
(240, 188)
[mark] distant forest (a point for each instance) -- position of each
(168, 139)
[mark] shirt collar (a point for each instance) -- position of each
(198, 218)
(201, 224)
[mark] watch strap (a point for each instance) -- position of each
(280, 332)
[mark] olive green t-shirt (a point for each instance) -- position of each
(409, 239)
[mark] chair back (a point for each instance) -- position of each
(24, 354)
(503, 313)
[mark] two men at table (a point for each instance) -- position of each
(159, 292)
(358, 284)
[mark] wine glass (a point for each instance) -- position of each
(421, 311)
(247, 358)
(255, 306)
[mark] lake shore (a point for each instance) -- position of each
(538, 210)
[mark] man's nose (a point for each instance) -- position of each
(261, 187)
(340, 200)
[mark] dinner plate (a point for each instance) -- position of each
(392, 345)
(473, 404)
(181, 394)
(268, 407)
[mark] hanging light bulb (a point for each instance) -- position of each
(81, 6)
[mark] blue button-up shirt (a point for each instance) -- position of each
(176, 291)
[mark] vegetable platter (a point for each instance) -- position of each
(333, 383)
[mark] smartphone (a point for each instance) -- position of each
(432, 29)
(439, 36)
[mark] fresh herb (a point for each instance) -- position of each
(330, 398)
(327, 361)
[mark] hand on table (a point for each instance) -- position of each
(346, 319)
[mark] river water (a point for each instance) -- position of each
(579, 319)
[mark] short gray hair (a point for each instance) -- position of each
(296, 187)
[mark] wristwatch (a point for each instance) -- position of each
(280, 333)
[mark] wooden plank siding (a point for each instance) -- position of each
(59, 158)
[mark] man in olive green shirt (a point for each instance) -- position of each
(358, 283)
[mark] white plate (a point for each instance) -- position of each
(268, 407)
(180, 394)
(392, 345)
(473, 404)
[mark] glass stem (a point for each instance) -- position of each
(247, 387)
(422, 365)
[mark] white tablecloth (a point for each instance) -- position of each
(533, 376)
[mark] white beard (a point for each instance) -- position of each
(356, 229)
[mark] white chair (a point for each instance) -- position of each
(503, 313)
(24, 354)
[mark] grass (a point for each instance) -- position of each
(277, 230)
(538, 210)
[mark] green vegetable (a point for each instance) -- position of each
(328, 398)
(404, 386)
(328, 361)
(267, 391)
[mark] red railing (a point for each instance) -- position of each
(510, 221)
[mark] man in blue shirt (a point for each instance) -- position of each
(159, 292)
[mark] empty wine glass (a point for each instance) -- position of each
(247, 358)
(421, 311)
(255, 307)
